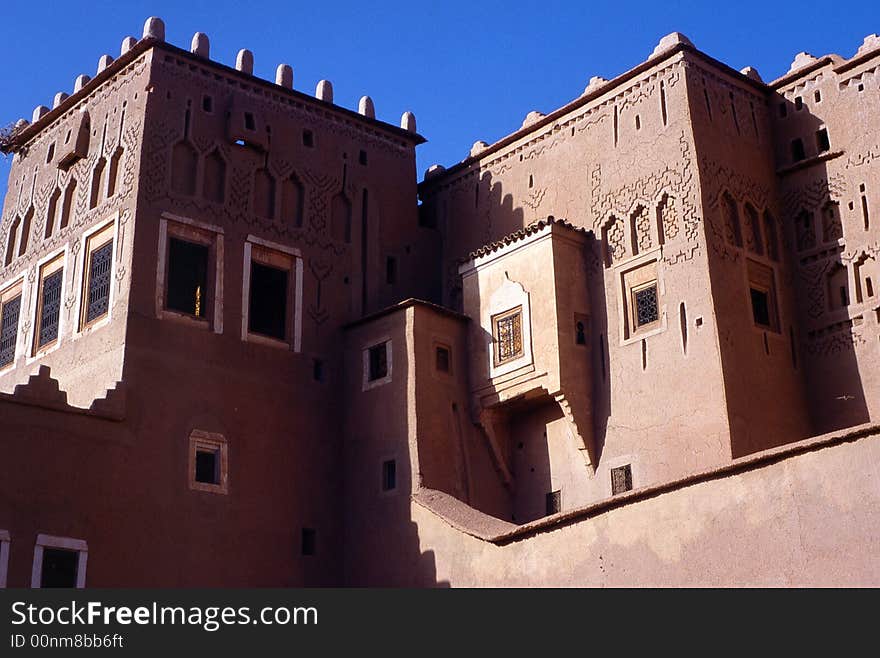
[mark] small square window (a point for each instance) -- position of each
(249, 122)
(378, 362)
(389, 475)
(553, 502)
(799, 103)
(508, 336)
(645, 305)
(762, 294)
(309, 541)
(59, 568)
(208, 462)
(797, 150)
(760, 307)
(817, 96)
(208, 104)
(442, 358)
(362, 157)
(621, 479)
(308, 138)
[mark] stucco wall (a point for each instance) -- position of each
(808, 519)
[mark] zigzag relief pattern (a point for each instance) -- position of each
(812, 278)
(265, 102)
(862, 158)
(675, 183)
(814, 194)
(833, 340)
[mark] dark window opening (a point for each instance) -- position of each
(378, 361)
(187, 277)
(822, 141)
(797, 150)
(207, 103)
(621, 479)
(249, 122)
(844, 296)
(869, 286)
(309, 541)
(760, 307)
(646, 305)
(580, 336)
(268, 301)
(362, 157)
(638, 122)
(98, 301)
(861, 87)
(50, 153)
(391, 270)
(59, 568)
(817, 96)
(442, 359)
(389, 475)
(9, 330)
(308, 138)
(207, 467)
(318, 370)
(799, 103)
(50, 308)
(553, 502)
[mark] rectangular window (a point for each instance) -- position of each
(389, 475)
(268, 301)
(391, 270)
(553, 502)
(797, 150)
(98, 276)
(762, 295)
(309, 541)
(645, 308)
(822, 142)
(59, 568)
(208, 462)
(10, 311)
(378, 362)
(59, 562)
(508, 336)
(621, 479)
(49, 303)
(442, 358)
(187, 290)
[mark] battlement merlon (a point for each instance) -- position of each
(154, 37)
(668, 47)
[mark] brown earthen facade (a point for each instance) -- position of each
(236, 350)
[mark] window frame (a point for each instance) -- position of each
(5, 542)
(756, 279)
(15, 289)
(202, 441)
(63, 543)
(633, 276)
(94, 239)
(496, 319)
(279, 256)
(368, 383)
(45, 268)
(209, 235)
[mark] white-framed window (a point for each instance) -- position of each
(4, 557)
(98, 263)
(189, 275)
(59, 562)
(11, 298)
(50, 293)
(642, 312)
(272, 294)
(378, 364)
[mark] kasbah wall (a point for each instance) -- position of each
(635, 342)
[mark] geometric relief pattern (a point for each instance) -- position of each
(666, 211)
(614, 238)
(642, 222)
(832, 229)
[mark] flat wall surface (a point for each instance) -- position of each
(808, 520)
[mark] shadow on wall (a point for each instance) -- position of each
(821, 226)
(601, 364)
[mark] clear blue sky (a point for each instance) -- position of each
(469, 70)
